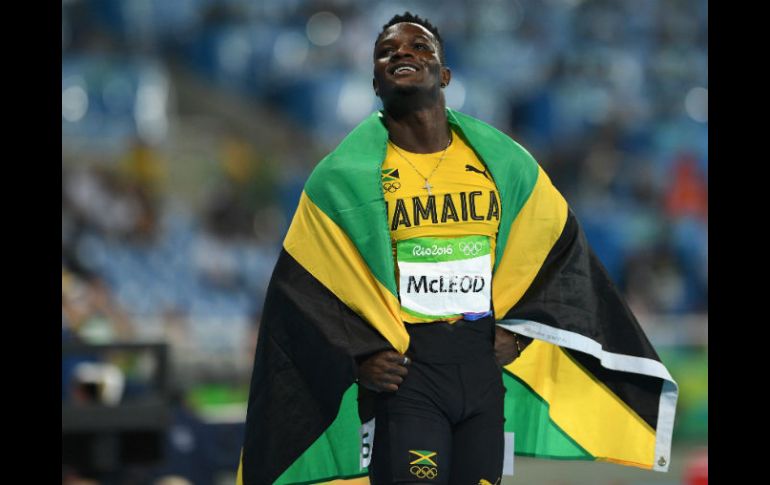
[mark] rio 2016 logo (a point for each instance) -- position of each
(434, 250)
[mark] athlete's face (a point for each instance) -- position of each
(407, 59)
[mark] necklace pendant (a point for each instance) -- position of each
(428, 186)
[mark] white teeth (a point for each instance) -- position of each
(405, 69)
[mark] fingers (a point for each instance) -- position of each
(394, 362)
(384, 371)
(390, 379)
(395, 358)
(398, 367)
(384, 382)
(387, 370)
(398, 370)
(395, 371)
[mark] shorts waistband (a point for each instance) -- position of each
(442, 342)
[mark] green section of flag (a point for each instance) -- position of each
(350, 177)
(336, 453)
(440, 249)
(536, 435)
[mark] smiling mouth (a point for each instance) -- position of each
(404, 70)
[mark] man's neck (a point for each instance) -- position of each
(421, 130)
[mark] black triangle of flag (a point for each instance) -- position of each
(394, 173)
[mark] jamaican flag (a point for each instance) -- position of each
(589, 387)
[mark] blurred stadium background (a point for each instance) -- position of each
(189, 127)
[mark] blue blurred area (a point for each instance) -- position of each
(190, 126)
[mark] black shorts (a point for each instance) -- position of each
(444, 425)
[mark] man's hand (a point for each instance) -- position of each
(383, 371)
(505, 346)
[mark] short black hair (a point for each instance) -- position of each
(415, 19)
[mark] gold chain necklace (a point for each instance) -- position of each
(427, 185)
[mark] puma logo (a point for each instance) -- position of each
(487, 482)
(470, 168)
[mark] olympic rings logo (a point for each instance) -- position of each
(391, 186)
(424, 471)
(470, 249)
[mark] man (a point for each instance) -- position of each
(453, 340)
(423, 250)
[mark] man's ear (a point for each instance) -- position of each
(375, 87)
(446, 76)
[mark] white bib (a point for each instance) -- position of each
(445, 277)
